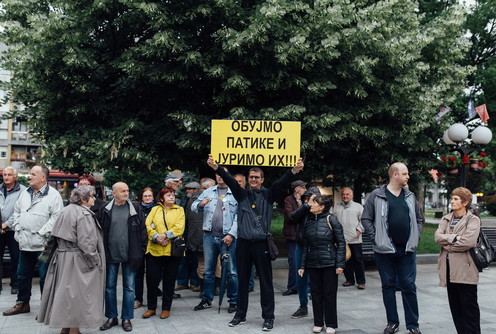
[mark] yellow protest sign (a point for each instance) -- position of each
(255, 143)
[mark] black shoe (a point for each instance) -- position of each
(391, 328)
(237, 321)
(111, 322)
(301, 312)
(176, 296)
(217, 291)
(127, 326)
(289, 292)
(14, 291)
(232, 308)
(268, 325)
(414, 331)
(203, 305)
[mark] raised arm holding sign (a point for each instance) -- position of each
(254, 217)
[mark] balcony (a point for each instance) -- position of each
(21, 138)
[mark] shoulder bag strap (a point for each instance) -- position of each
(165, 222)
(329, 224)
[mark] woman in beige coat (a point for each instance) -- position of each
(74, 288)
(457, 234)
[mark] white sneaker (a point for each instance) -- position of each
(317, 329)
(330, 330)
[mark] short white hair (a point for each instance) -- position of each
(12, 169)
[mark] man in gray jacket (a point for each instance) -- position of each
(10, 190)
(392, 219)
(35, 212)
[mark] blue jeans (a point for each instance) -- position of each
(251, 284)
(399, 268)
(292, 264)
(212, 248)
(25, 271)
(301, 282)
(128, 277)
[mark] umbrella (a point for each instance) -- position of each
(223, 276)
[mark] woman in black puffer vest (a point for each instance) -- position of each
(324, 258)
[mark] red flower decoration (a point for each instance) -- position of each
(444, 159)
(452, 159)
(465, 159)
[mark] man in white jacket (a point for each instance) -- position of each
(35, 212)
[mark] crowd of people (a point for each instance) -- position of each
(213, 238)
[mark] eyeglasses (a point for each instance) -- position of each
(254, 177)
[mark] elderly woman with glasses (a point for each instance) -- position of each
(74, 288)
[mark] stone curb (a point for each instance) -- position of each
(282, 262)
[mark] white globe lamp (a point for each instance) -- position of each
(482, 135)
(458, 132)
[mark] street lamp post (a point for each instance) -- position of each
(457, 135)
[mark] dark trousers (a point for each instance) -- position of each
(165, 269)
(464, 307)
(354, 266)
(7, 240)
(139, 282)
(188, 274)
(256, 252)
(25, 272)
(292, 265)
(324, 287)
(400, 269)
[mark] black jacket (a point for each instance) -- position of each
(323, 247)
(137, 236)
(298, 217)
(255, 206)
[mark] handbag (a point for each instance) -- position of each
(348, 249)
(273, 250)
(178, 244)
(483, 252)
(50, 248)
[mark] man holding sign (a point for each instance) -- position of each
(254, 218)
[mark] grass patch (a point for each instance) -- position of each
(277, 225)
(427, 245)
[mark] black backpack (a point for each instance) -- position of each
(483, 252)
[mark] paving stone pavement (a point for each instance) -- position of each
(359, 311)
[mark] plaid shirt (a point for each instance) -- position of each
(37, 194)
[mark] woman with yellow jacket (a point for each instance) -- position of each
(164, 222)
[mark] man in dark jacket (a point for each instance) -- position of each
(291, 203)
(125, 239)
(254, 218)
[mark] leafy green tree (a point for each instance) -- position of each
(133, 84)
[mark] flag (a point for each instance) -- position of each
(443, 110)
(483, 114)
(471, 109)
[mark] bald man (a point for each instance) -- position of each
(392, 219)
(125, 239)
